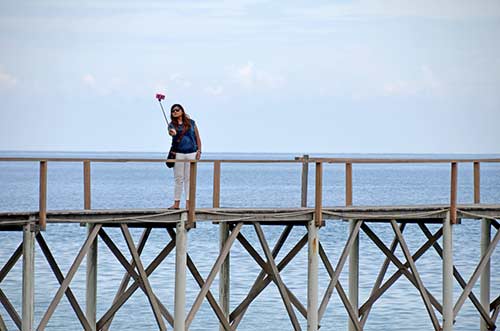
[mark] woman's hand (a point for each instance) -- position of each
(198, 154)
(172, 132)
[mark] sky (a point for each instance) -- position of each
(360, 76)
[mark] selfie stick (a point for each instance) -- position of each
(161, 97)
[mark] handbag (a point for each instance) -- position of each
(171, 156)
(171, 153)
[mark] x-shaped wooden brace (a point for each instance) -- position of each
(65, 281)
(140, 277)
(201, 283)
(334, 278)
(206, 284)
(467, 289)
(3, 298)
(413, 276)
(270, 274)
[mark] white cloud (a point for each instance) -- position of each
(179, 80)
(428, 82)
(7, 80)
(249, 77)
(89, 80)
(214, 90)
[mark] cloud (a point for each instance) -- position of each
(7, 80)
(89, 80)
(214, 90)
(249, 77)
(179, 80)
(427, 83)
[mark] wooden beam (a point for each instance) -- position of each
(191, 223)
(304, 181)
(238, 313)
(453, 193)
(211, 276)
(9, 307)
(340, 265)
(482, 311)
(42, 205)
(60, 278)
(477, 272)
(126, 277)
(416, 275)
(143, 277)
(72, 270)
(318, 212)
(277, 277)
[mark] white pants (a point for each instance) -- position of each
(181, 174)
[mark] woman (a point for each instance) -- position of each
(186, 144)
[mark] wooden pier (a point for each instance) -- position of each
(177, 223)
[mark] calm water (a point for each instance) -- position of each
(136, 185)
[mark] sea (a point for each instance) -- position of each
(245, 185)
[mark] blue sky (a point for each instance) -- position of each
(395, 76)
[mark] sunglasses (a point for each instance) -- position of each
(175, 110)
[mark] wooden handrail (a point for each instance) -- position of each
(297, 160)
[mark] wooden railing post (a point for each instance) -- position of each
(43, 195)
(86, 185)
(91, 274)
(453, 193)
(318, 216)
(305, 175)
(477, 183)
(192, 195)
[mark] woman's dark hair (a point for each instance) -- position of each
(185, 118)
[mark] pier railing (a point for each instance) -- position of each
(359, 217)
(304, 160)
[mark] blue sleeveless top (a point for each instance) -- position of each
(188, 141)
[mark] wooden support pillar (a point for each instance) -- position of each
(447, 274)
(353, 252)
(180, 274)
(43, 196)
(224, 279)
(91, 275)
(28, 291)
(312, 276)
(305, 177)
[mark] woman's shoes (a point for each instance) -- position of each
(173, 208)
